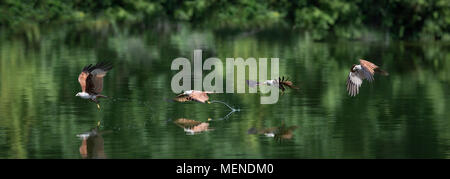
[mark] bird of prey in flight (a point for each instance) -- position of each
(91, 81)
(193, 95)
(281, 83)
(365, 70)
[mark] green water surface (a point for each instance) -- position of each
(403, 115)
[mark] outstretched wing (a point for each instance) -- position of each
(368, 69)
(204, 126)
(83, 76)
(199, 96)
(368, 65)
(288, 83)
(182, 98)
(282, 82)
(82, 80)
(186, 122)
(94, 82)
(354, 81)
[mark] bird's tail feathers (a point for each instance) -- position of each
(252, 83)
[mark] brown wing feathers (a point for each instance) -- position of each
(199, 96)
(82, 80)
(368, 65)
(101, 65)
(285, 82)
(372, 67)
(91, 78)
(182, 98)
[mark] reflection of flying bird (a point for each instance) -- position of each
(192, 127)
(91, 81)
(281, 132)
(281, 83)
(365, 70)
(193, 95)
(285, 132)
(92, 145)
(268, 132)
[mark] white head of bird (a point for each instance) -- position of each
(269, 82)
(83, 95)
(355, 68)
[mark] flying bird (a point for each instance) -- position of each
(365, 70)
(281, 83)
(91, 81)
(193, 95)
(199, 96)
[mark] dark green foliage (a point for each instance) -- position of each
(351, 19)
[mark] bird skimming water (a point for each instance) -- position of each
(91, 81)
(199, 96)
(281, 83)
(193, 95)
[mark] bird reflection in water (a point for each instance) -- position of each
(192, 127)
(92, 145)
(282, 132)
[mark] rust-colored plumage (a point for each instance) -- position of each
(192, 126)
(91, 81)
(365, 70)
(283, 83)
(193, 95)
(187, 122)
(82, 80)
(368, 65)
(91, 78)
